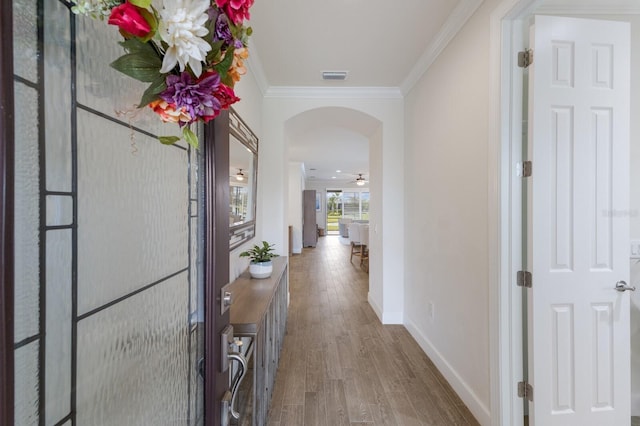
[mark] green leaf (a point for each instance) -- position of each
(223, 67)
(214, 53)
(141, 3)
(151, 94)
(134, 45)
(142, 66)
(168, 140)
(227, 80)
(190, 137)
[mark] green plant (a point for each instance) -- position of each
(259, 254)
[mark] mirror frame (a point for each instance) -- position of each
(238, 234)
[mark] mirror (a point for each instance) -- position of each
(243, 166)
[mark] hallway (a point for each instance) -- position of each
(340, 366)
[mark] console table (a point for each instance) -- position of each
(259, 315)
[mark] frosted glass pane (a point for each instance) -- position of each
(57, 96)
(27, 218)
(133, 360)
(25, 39)
(58, 337)
(132, 212)
(59, 210)
(103, 88)
(26, 385)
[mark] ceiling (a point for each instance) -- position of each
(379, 43)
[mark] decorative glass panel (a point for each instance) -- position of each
(58, 332)
(27, 217)
(133, 359)
(57, 93)
(26, 387)
(106, 90)
(132, 211)
(25, 36)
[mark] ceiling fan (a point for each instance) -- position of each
(239, 176)
(360, 180)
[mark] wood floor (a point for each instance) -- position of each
(340, 366)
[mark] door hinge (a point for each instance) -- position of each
(524, 279)
(527, 168)
(525, 58)
(525, 390)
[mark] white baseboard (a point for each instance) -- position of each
(471, 400)
(374, 306)
(635, 404)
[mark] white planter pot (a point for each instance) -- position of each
(261, 269)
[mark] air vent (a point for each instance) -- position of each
(334, 75)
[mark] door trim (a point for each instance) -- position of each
(6, 213)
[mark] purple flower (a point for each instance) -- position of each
(223, 32)
(196, 97)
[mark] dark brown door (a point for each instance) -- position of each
(216, 152)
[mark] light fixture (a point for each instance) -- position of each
(240, 175)
(360, 180)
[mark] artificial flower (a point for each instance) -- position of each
(168, 112)
(237, 69)
(223, 32)
(196, 98)
(190, 52)
(129, 19)
(182, 27)
(237, 10)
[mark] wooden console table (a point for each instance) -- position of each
(259, 315)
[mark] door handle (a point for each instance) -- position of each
(622, 286)
(242, 361)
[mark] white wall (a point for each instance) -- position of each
(295, 219)
(446, 205)
(385, 234)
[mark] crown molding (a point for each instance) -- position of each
(455, 22)
(312, 92)
(589, 10)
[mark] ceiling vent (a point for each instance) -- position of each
(334, 75)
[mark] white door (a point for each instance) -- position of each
(579, 359)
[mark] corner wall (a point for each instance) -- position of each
(446, 213)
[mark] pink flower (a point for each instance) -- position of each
(236, 10)
(226, 96)
(129, 19)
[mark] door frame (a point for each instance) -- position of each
(6, 213)
(505, 244)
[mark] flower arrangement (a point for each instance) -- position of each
(191, 53)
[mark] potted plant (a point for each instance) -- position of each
(261, 265)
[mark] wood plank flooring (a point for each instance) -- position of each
(340, 366)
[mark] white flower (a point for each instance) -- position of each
(181, 27)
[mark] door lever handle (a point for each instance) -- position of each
(242, 361)
(622, 286)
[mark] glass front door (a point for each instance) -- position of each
(108, 237)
